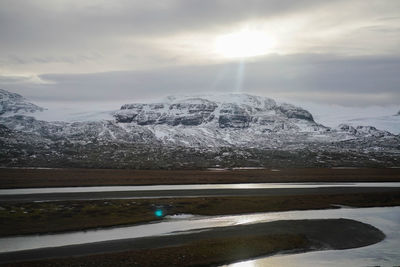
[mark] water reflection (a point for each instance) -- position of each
(245, 264)
(385, 253)
(386, 219)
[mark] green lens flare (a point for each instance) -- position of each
(158, 213)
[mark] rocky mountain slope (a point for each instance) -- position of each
(191, 132)
(11, 103)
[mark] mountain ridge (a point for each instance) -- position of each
(12, 103)
(195, 132)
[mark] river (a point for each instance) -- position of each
(386, 252)
(387, 219)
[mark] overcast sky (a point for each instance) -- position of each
(338, 52)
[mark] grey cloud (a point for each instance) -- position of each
(36, 35)
(75, 36)
(4, 80)
(15, 59)
(389, 18)
(75, 23)
(378, 28)
(37, 19)
(331, 79)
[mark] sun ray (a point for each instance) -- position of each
(242, 44)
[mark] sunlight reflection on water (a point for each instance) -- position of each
(385, 253)
(386, 219)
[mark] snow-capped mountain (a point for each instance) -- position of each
(234, 111)
(11, 103)
(380, 117)
(203, 131)
(390, 123)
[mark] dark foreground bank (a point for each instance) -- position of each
(210, 247)
(20, 178)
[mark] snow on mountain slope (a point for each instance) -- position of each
(233, 119)
(389, 123)
(201, 131)
(14, 104)
(233, 111)
(201, 121)
(381, 117)
(11, 104)
(73, 114)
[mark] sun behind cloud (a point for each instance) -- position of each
(244, 43)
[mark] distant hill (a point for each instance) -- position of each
(191, 132)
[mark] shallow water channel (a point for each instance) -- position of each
(387, 219)
(384, 253)
(24, 191)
